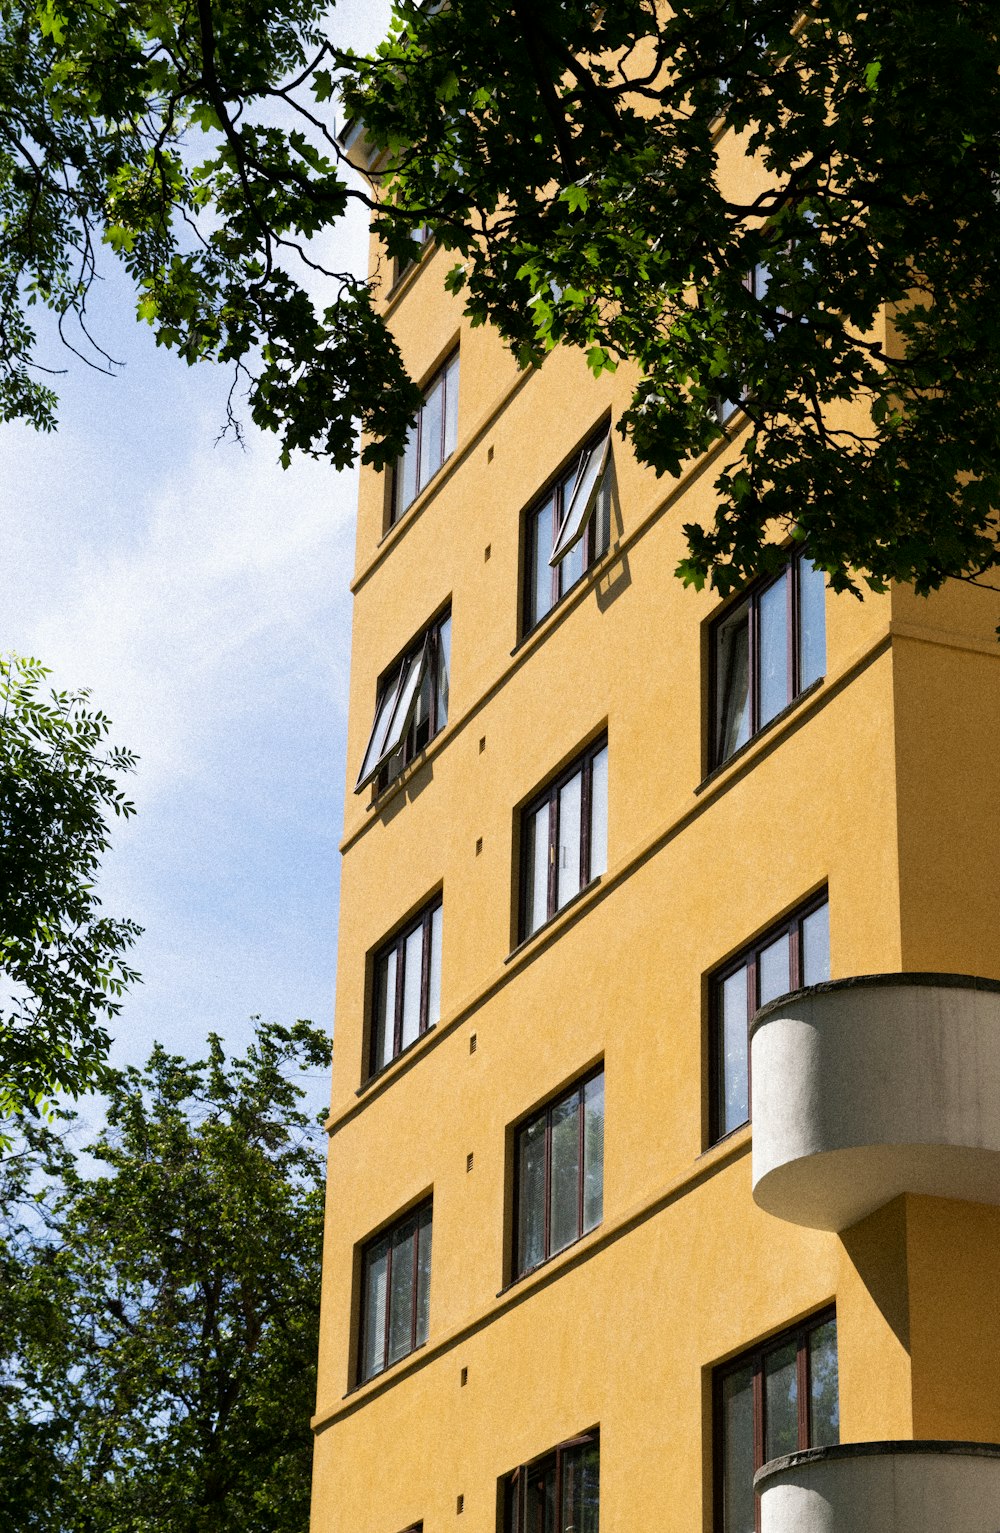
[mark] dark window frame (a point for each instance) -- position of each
(416, 740)
(389, 1232)
(755, 1358)
(748, 956)
(397, 943)
(559, 487)
(514, 1483)
(582, 763)
(521, 1126)
(440, 374)
(753, 594)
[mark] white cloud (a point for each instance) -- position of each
(233, 567)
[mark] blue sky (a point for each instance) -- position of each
(201, 593)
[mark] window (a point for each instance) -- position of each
(724, 409)
(419, 235)
(757, 282)
(568, 530)
(559, 1174)
(412, 706)
(766, 649)
(431, 441)
(779, 1398)
(788, 956)
(559, 1493)
(565, 838)
(396, 1278)
(407, 988)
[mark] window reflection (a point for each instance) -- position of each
(766, 650)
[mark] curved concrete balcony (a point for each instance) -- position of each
(883, 1487)
(866, 1088)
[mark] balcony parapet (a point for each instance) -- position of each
(883, 1487)
(870, 1087)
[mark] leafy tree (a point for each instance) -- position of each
(62, 963)
(159, 1319)
(568, 153)
(175, 133)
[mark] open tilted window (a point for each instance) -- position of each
(582, 501)
(568, 529)
(412, 706)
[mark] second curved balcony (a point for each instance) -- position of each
(866, 1088)
(882, 1487)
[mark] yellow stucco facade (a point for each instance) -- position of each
(880, 784)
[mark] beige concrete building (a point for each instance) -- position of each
(599, 821)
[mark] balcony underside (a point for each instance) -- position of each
(868, 1088)
(883, 1487)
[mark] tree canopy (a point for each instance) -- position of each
(63, 964)
(573, 157)
(159, 1301)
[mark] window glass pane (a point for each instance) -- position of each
(373, 1345)
(812, 623)
(816, 947)
(774, 970)
(388, 735)
(734, 1084)
(419, 731)
(564, 1184)
(434, 981)
(443, 671)
(406, 476)
(581, 1489)
(412, 965)
(531, 1195)
(385, 1010)
(602, 517)
(401, 1293)
(572, 565)
(781, 1402)
(579, 500)
(423, 1277)
(380, 729)
(541, 572)
(824, 1404)
(537, 869)
(540, 1498)
(431, 420)
(593, 1152)
(568, 850)
(737, 1451)
(451, 407)
(599, 814)
(732, 671)
(773, 660)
